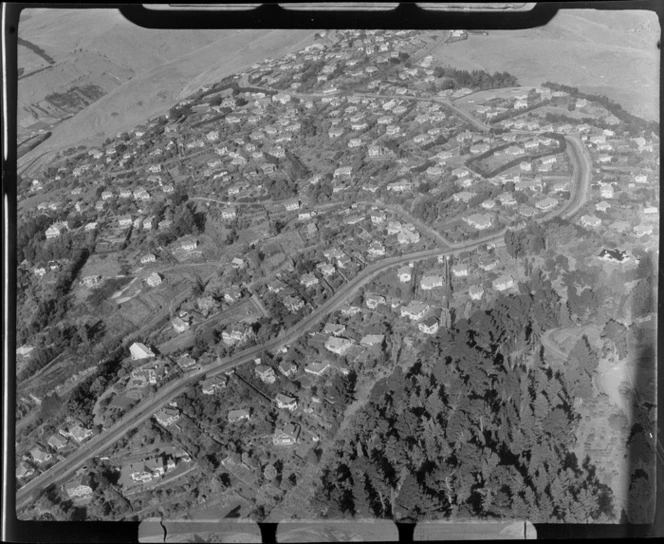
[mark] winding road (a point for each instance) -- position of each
(60, 472)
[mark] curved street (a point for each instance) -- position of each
(582, 169)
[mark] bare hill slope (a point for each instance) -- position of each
(141, 72)
(611, 53)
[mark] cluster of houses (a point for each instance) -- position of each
(72, 435)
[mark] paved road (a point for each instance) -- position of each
(61, 471)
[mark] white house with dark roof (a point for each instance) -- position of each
(429, 325)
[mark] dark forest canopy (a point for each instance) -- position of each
(479, 427)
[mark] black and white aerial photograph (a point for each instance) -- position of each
(344, 274)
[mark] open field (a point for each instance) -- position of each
(171, 65)
(611, 53)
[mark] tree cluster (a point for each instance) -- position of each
(471, 430)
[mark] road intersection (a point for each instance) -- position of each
(60, 472)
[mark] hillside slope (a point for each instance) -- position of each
(609, 53)
(141, 72)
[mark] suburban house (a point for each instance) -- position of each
(393, 227)
(460, 270)
(56, 442)
(590, 221)
(606, 190)
(317, 369)
(56, 229)
(338, 345)
(288, 368)
(372, 301)
(428, 326)
(371, 340)
(475, 292)
(399, 186)
(91, 281)
(293, 303)
(214, 384)
(404, 274)
(463, 196)
(431, 281)
(285, 402)
(140, 351)
(326, 269)
(229, 213)
(487, 263)
(602, 206)
(189, 245)
(180, 325)
(503, 282)
(309, 280)
(376, 249)
(292, 204)
(233, 293)
(614, 255)
(546, 204)
(39, 456)
(334, 329)
(479, 221)
(265, 373)
(286, 436)
(167, 416)
(80, 487)
(407, 236)
(343, 172)
(238, 415)
(153, 279)
(643, 230)
(376, 151)
(460, 172)
(148, 258)
(237, 334)
(415, 310)
(76, 432)
(24, 471)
